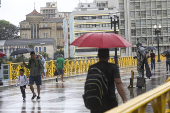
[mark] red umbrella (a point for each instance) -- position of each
(2, 54)
(101, 40)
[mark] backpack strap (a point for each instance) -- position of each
(19, 77)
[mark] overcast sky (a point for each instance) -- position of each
(14, 11)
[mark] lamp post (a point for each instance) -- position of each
(115, 20)
(157, 31)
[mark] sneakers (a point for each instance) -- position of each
(38, 98)
(24, 100)
(33, 96)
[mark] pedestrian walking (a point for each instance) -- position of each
(167, 61)
(36, 71)
(60, 67)
(100, 84)
(22, 79)
(43, 62)
(152, 55)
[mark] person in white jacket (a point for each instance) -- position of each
(22, 79)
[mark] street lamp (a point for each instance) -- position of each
(115, 20)
(157, 31)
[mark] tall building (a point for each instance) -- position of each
(37, 27)
(87, 18)
(137, 20)
(50, 11)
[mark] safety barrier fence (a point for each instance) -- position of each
(158, 98)
(73, 67)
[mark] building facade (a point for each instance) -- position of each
(37, 27)
(137, 20)
(50, 11)
(88, 18)
(45, 45)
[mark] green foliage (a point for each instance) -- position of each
(44, 54)
(8, 31)
(58, 52)
(31, 45)
(20, 58)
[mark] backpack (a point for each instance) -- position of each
(96, 89)
(24, 78)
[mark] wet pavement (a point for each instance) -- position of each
(67, 97)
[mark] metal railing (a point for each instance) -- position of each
(73, 67)
(4, 72)
(158, 98)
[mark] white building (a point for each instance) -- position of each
(87, 18)
(50, 11)
(137, 20)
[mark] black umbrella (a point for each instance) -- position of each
(166, 51)
(151, 48)
(21, 51)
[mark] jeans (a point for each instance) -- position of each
(167, 63)
(153, 64)
(23, 91)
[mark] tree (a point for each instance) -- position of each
(59, 52)
(31, 45)
(20, 58)
(44, 54)
(8, 31)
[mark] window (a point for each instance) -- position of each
(9, 51)
(14, 55)
(138, 14)
(45, 25)
(143, 23)
(137, 5)
(63, 43)
(149, 31)
(25, 36)
(138, 23)
(159, 5)
(149, 23)
(46, 35)
(132, 14)
(36, 49)
(25, 26)
(39, 49)
(148, 13)
(133, 32)
(143, 14)
(138, 32)
(148, 5)
(34, 31)
(31, 31)
(132, 6)
(88, 5)
(22, 26)
(144, 31)
(44, 49)
(153, 4)
(153, 13)
(164, 3)
(38, 31)
(164, 13)
(133, 23)
(43, 35)
(82, 6)
(142, 5)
